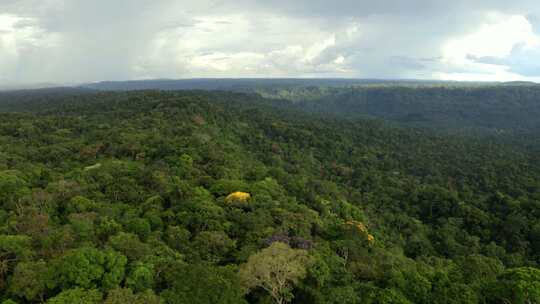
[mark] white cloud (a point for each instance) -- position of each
(240, 46)
(8, 45)
(20, 41)
(495, 38)
(242, 63)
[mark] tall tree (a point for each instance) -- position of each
(276, 269)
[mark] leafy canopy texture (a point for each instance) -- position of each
(77, 296)
(132, 197)
(202, 283)
(519, 286)
(91, 268)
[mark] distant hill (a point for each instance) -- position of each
(511, 107)
(36, 99)
(247, 84)
(525, 83)
(500, 108)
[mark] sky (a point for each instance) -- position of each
(77, 41)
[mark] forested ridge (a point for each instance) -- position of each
(486, 108)
(220, 197)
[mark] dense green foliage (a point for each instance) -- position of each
(494, 108)
(121, 198)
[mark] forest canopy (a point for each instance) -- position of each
(222, 197)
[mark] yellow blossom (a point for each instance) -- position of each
(238, 197)
(359, 226)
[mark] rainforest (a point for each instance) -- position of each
(283, 194)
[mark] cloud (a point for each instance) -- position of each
(522, 61)
(21, 43)
(78, 41)
(496, 49)
(496, 37)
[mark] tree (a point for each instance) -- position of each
(107, 227)
(80, 204)
(177, 237)
(203, 284)
(213, 246)
(516, 286)
(12, 188)
(83, 226)
(13, 248)
(77, 296)
(341, 295)
(276, 269)
(141, 277)
(390, 296)
(33, 223)
(139, 226)
(130, 245)
(29, 280)
(126, 295)
(90, 268)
